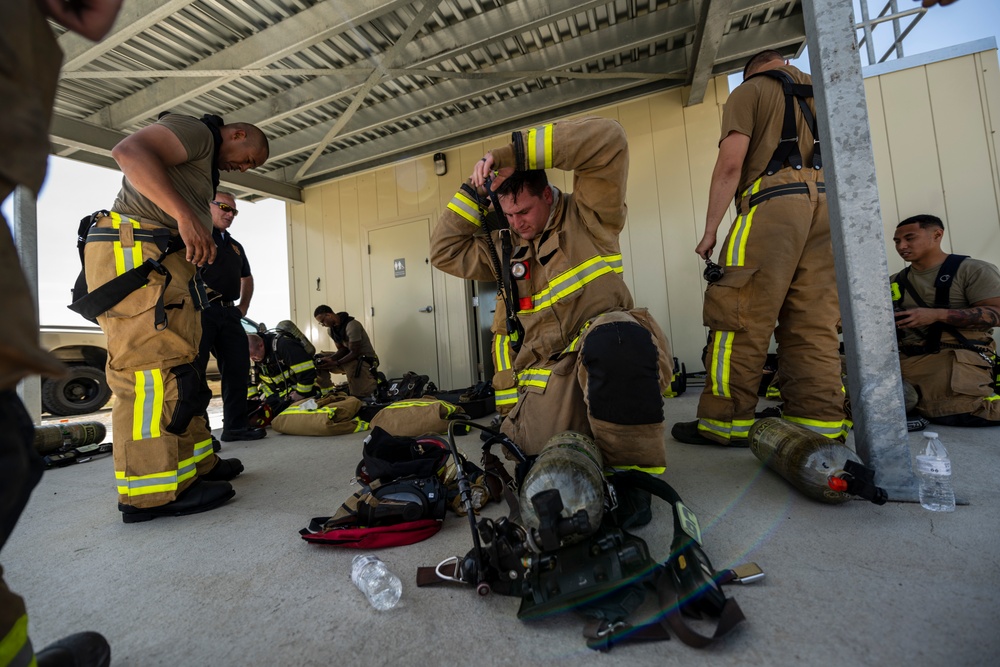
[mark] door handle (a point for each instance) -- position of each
(426, 309)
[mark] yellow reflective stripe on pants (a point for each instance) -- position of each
(449, 408)
(738, 428)
(126, 260)
(539, 147)
(465, 207)
(15, 647)
(826, 429)
(574, 280)
(148, 407)
(719, 368)
(138, 485)
(735, 253)
(534, 377)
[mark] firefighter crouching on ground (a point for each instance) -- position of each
(589, 361)
(355, 357)
(285, 370)
(777, 261)
(946, 307)
(164, 463)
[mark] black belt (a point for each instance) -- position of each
(786, 189)
(220, 302)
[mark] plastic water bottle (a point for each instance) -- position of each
(374, 579)
(934, 471)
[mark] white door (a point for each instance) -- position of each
(403, 299)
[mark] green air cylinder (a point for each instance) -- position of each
(571, 463)
(289, 327)
(806, 459)
(52, 437)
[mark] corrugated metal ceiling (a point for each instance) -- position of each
(344, 86)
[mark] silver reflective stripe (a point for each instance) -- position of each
(148, 404)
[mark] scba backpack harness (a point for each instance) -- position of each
(407, 485)
(605, 576)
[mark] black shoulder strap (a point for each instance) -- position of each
(788, 147)
(213, 123)
(942, 283)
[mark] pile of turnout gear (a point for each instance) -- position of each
(564, 544)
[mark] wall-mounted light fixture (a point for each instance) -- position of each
(440, 166)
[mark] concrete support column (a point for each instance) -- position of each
(26, 239)
(858, 246)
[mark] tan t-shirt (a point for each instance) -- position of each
(757, 109)
(974, 281)
(29, 71)
(192, 179)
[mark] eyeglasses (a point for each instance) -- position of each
(226, 208)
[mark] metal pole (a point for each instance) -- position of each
(26, 240)
(858, 248)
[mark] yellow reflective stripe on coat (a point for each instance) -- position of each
(449, 408)
(505, 396)
(835, 429)
(302, 367)
(534, 377)
(465, 207)
(738, 428)
(501, 352)
(539, 147)
(736, 251)
(15, 647)
(721, 359)
(148, 407)
(126, 259)
(574, 279)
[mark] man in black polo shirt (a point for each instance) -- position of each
(228, 278)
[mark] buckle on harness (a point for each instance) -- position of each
(157, 267)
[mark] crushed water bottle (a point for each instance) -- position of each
(934, 471)
(374, 579)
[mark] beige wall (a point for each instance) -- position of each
(938, 154)
(934, 132)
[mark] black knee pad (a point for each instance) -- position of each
(193, 396)
(624, 378)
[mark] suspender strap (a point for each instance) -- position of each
(788, 147)
(942, 289)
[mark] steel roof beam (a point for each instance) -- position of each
(714, 17)
(301, 31)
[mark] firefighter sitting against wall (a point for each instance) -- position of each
(285, 371)
(587, 360)
(355, 357)
(946, 306)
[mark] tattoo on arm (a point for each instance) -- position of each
(978, 316)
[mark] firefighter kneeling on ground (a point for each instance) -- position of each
(562, 261)
(284, 370)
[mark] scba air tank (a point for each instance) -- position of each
(807, 460)
(571, 464)
(53, 437)
(289, 328)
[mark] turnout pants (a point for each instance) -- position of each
(20, 470)
(953, 382)
(223, 336)
(161, 439)
(608, 384)
(778, 263)
(360, 382)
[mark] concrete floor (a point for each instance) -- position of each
(852, 584)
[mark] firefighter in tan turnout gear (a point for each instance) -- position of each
(588, 360)
(164, 463)
(777, 261)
